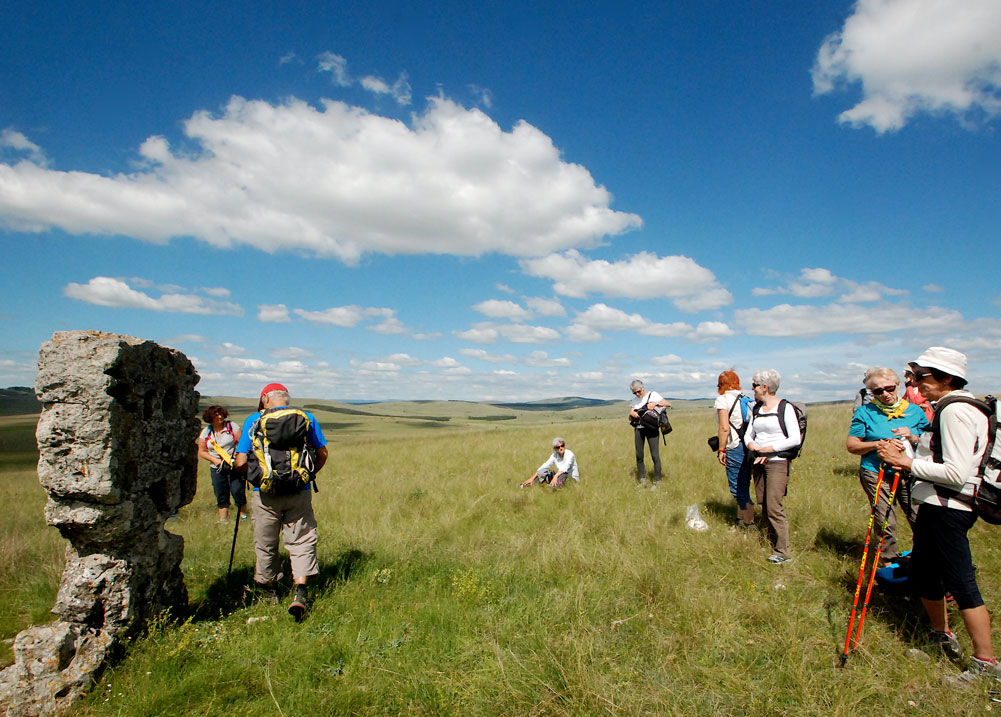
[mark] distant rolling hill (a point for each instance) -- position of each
(556, 404)
(18, 401)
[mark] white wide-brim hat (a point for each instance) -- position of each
(950, 361)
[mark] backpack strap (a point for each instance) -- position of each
(940, 406)
(989, 409)
(729, 417)
(220, 451)
(782, 417)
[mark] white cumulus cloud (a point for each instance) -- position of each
(107, 291)
(276, 313)
(813, 283)
(12, 139)
(912, 56)
(642, 276)
(497, 309)
(337, 66)
(334, 181)
(399, 90)
(810, 321)
(546, 307)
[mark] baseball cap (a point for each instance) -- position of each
(268, 389)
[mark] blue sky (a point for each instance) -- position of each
(505, 201)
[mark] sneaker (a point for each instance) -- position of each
(243, 516)
(298, 607)
(950, 645)
(979, 670)
(641, 483)
(223, 521)
(653, 486)
(778, 559)
(983, 668)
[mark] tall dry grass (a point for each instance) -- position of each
(445, 589)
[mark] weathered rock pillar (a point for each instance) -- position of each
(117, 455)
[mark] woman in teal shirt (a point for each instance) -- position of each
(872, 423)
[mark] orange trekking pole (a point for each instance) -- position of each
(875, 562)
(861, 567)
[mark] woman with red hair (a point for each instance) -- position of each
(732, 415)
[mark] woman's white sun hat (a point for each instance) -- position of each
(950, 361)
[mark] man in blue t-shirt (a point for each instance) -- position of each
(290, 515)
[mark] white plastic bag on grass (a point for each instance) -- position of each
(693, 519)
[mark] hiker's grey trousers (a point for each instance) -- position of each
(292, 516)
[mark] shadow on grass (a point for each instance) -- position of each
(893, 605)
(237, 590)
(726, 511)
(902, 613)
(849, 470)
(840, 543)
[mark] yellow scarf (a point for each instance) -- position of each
(892, 411)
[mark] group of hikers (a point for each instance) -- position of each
(934, 434)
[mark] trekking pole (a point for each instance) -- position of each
(232, 550)
(875, 562)
(861, 567)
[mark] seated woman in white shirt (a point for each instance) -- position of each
(554, 471)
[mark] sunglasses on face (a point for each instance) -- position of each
(884, 389)
(756, 385)
(920, 375)
(638, 391)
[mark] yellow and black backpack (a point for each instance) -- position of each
(280, 462)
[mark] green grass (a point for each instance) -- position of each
(445, 589)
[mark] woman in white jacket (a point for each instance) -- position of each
(765, 439)
(554, 471)
(946, 471)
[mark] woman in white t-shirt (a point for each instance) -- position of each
(766, 439)
(646, 401)
(731, 453)
(216, 444)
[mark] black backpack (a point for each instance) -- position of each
(800, 410)
(280, 462)
(653, 421)
(987, 498)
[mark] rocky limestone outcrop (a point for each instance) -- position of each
(117, 455)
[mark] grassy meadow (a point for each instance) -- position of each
(447, 590)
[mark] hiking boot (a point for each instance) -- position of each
(267, 592)
(299, 603)
(778, 559)
(949, 644)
